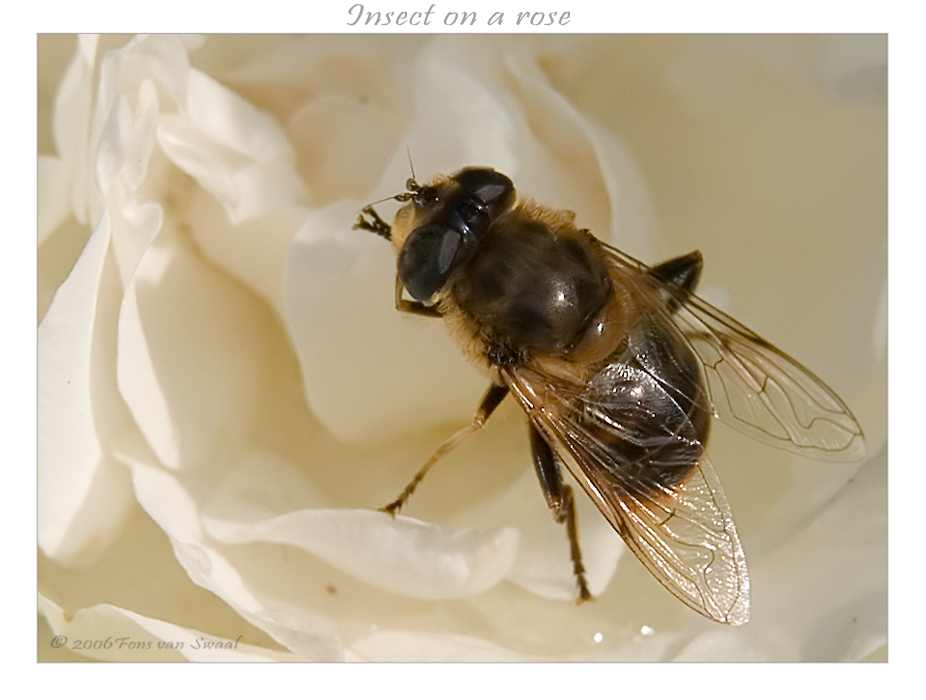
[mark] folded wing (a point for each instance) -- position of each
(656, 487)
(752, 385)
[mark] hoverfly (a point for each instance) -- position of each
(619, 368)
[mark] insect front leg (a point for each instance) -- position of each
(493, 397)
(559, 498)
(683, 273)
(411, 306)
(375, 224)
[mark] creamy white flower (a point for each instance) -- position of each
(226, 392)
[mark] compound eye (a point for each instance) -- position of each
(427, 259)
(488, 186)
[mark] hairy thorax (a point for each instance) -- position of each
(529, 290)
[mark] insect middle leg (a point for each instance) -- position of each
(560, 499)
(493, 397)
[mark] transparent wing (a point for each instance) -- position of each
(655, 486)
(752, 385)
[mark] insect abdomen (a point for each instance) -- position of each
(650, 397)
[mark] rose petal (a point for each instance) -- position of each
(235, 151)
(72, 125)
(77, 410)
(359, 138)
(123, 159)
(173, 508)
(110, 633)
(264, 500)
(399, 555)
(53, 178)
(127, 139)
(837, 608)
(750, 644)
(189, 354)
(419, 647)
(254, 251)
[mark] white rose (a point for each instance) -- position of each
(226, 393)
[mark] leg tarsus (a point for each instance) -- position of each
(411, 306)
(376, 224)
(572, 529)
(417, 308)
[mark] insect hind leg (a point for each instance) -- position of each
(493, 397)
(562, 503)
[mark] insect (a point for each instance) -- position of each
(619, 367)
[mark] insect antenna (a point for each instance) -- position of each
(411, 184)
(411, 166)
(376, 224)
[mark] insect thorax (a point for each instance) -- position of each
(529, 289)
